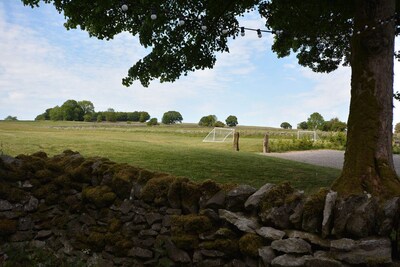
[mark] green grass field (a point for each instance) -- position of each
(176, 149)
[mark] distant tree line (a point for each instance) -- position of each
(212, 121)
(317, 122)
(72, 110)
(10, 118)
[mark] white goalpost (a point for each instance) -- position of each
(312, 135)
(219, 135)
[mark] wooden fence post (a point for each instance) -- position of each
(265, 144)
(236, 141)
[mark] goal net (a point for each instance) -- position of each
(219, 135)
(311, 135)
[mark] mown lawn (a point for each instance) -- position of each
(177, 149)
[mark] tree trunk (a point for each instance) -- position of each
(368, 164)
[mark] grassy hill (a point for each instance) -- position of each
(176, 149)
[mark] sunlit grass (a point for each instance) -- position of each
(177, 149)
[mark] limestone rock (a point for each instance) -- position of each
(344, 244)
(248, 225)
(270, 233)
(312, 238)
(390, 213)
(267, 254)
(237, 263)
(296, 217)
(236, 198)
(322, 262)
(153, 218)
(212, 253)
(5, 205)
(140, 252)
(292, 245)
(367, 250)
(32, 205)
(175, 254)
(343, 210)
(217, 201)
(253, 202)
(287, 260)
(328, 213)
(278, 216)
(361, 222)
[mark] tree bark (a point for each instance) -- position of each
(368, 164)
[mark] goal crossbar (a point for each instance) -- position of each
(301, 134)
(218, 135)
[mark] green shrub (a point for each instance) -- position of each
(152, 122)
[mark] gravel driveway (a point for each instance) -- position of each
(326, 158)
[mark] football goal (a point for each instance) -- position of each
(312, 135)
(219, 135)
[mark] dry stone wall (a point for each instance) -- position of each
(108, 214)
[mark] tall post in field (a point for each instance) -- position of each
(236, 141)
(266, 144)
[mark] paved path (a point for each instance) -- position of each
(327, 158)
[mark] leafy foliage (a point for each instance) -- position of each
(152, 122)
(397, 128)
(286, 125)
(219, 124)
(209, 120)
(179, 49)
(302, 125)
(10, 118)
(315, 121)
(144, 116)
(335, 125)
(231, 121)
(171, 117)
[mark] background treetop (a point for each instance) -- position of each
(185, 36)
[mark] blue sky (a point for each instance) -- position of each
(43, 65)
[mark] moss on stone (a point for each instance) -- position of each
(7, 227)
(40, 154)
(315, 203)
(145, 176)
(12, 193)
(31, 164)
(101, 196)
(82, 173)
(96, 241)
(277, 196)
(313, 211)
(193, 224)
(209, 188)
(43, 191)
(250, 243)
(44, 176)
(156, 190)
(186, 241)
(190, 195)
(52, 198)
(228, 246)
(122, 181)
(114, 225)
(68, 161)
(225, 233)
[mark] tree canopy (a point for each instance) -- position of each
(324, 34)
(231, 121)
(171, 117)
(315, 121)
(286, 125)
(209, 120)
